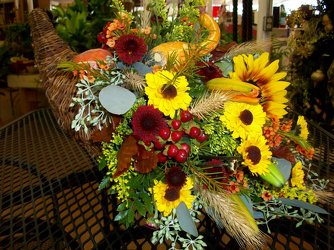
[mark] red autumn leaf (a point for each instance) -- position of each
(105, 135)
(146, 161)
(128, 149)
(285, 153)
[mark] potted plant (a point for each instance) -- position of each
(283, 14)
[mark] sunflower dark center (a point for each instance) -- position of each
(246, 117)
(148, 124)
(169, 91)
(254, 154)
(172, 194)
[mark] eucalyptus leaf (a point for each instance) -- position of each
(303, 204)
(185, 220)
(258, 215)
(284, 166)
(225, 66)
(142, 68)
(248, 203)
(117, 100)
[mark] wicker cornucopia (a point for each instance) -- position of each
(50, 50)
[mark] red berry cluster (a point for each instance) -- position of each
(173, 144)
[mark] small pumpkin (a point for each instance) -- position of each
(164, 50)
(92, 55)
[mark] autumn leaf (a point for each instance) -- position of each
(146, 161)
(285, 153)
(128, 149)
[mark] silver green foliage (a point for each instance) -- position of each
(275, 209)
(90, 111)
(169, 229)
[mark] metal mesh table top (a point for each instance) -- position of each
(49, 196)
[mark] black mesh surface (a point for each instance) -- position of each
(49, 197)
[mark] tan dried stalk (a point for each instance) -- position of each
(209, 104)
(146, 15)
(249, 48)
(134, 82)
(226, 212)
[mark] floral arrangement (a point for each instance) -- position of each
(184, 135)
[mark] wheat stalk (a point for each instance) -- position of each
(209, 104)
(146, 15)
(226, 212)
(248, 48)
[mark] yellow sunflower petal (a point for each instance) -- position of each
(269, 71)
(168, 104)
(278, 76)
(243, 119)
(254, 148)
(165, 206)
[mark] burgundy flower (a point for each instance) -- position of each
(216, 169)
(130, 48)
(175, 177)
(147, 121)
(208, 71)
(101, 38)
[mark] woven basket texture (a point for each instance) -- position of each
(49, 51)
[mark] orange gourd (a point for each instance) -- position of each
(164, 50)
(92, 55)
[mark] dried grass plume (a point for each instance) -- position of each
(209, 104)
(225, 211)
(134, 82)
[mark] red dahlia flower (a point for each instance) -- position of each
(147, 121)
(208, 71)
(130, 48)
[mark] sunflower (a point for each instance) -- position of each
(167, 92)
(130, 48)
(256, 154)
(258, 72)
(297, 175)
(243, 119)
(167, 198)
(302, 124)
(147, 122)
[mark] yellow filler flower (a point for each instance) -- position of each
(256, 154)
(303, 127)
(297, 175)
(167, 92)
(243, 119)
(258, 72)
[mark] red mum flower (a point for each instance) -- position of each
(130, 48)
(147, 121)
(209, 71)
(175, 177)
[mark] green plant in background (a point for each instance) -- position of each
(311, 64)
(17, 46)
(80, 23)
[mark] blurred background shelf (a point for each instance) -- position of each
(22, 94)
